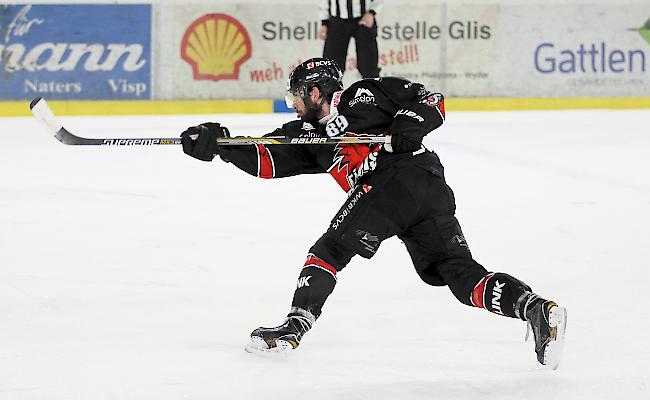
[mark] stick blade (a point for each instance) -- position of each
(44, 115)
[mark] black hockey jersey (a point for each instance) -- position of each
(383, 106)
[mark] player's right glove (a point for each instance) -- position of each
(200, 141)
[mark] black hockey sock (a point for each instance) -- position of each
(503, 294)
(315, 283)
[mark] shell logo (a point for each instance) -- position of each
(216, 45)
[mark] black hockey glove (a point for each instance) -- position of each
(406, 136)
(411, 124)
(401, 143)
(200, 141)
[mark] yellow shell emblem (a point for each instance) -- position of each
(216, 45)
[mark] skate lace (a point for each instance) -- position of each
(304, 322)
(529, 325)
(530, 298)
(304, 318)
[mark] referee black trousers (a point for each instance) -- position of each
(339, 33)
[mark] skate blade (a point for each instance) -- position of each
(259, 347)
(553, 353)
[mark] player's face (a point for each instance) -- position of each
(295, 101)
(308, 108)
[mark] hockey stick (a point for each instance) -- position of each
(45, 116)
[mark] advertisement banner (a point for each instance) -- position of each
(244, 51)
(453, 46)
(227, 50)
(75, 51)
(239, 51)
(573, 51)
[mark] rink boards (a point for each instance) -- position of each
(166, 107)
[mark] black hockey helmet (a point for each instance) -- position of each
(321, 72)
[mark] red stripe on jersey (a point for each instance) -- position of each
(441, 107)
(478, 294)
(265, 163)
(313, 261)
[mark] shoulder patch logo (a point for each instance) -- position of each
(363, 92)
(363, 95)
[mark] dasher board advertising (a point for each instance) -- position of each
(71, 51)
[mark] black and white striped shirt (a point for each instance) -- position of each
(348, 9)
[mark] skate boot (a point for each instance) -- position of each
(548, 323)
(282, 338)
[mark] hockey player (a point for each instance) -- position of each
(396, 189)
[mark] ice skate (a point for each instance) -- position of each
(281, 339)
(548, 323)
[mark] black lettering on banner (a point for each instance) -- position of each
(268, 28)
(278, 30)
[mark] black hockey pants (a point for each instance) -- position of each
(409, 202)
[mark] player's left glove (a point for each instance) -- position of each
(404, 143)
(407, 131)
(200, 141)
(413, 122)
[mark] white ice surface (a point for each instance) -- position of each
(138, 273)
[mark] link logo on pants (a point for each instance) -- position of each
(303, 281)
